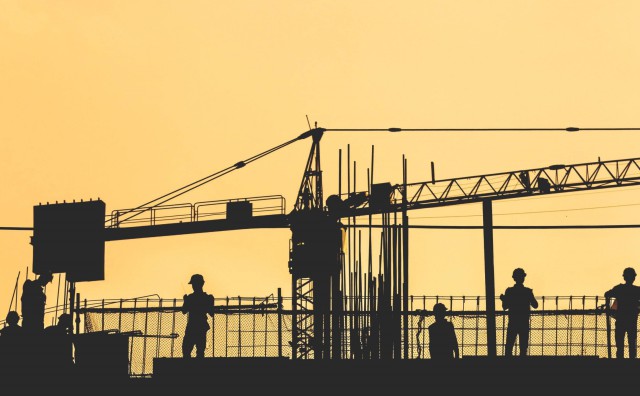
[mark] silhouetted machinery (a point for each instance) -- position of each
(70, 237)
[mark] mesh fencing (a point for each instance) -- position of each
(260, 327)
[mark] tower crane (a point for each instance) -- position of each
(70, 237)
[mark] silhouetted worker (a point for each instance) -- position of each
(12, 359)
(197, 304)
(627, 300)
(64, 326)
(11, 326)
(33, 301)
(57, 345)
(518, 300)
(443, 343)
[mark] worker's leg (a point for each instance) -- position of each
(523, 336)
(511, 339)
(619, 335)
(201, 344)
(187, 345)
(632, 336)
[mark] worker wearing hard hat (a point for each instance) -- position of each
(443, 343)
(518, 300)
(33, 302)
(197, 305)
(627, 300)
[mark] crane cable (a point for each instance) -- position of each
(568, 129)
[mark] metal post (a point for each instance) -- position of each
(294, 320)
(72, 307)
(77, 314)
(489, 280)
(279, 322)
(608, 313)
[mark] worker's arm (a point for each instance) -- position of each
(610, 293)
(534, 302)
(185, 305)
(505, 301)
(210, 305)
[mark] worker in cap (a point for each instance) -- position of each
(627, 300)
(518, 300)
(64, 326)
(196, 305)
(11, 326)
(443, 343)
(196, 279)
(33, 301)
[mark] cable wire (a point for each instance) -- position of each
(568, 129)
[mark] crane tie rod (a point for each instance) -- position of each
(568, 129)
(198, 183)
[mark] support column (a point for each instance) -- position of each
(294, 319)
(405, 262)
(489, 276)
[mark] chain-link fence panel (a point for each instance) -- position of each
(260, 327)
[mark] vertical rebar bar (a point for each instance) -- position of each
(405, 255)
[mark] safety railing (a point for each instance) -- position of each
(261, 327)
(187, 212)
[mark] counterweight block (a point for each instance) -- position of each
(69, 237)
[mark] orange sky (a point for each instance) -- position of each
(127, 100)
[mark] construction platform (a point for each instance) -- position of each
(282, 376)
(537, 375)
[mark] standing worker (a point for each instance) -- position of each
(443, 343)
(33, 301)
(518, 300)
(197, 305)
(627, 300)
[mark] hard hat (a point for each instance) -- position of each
(439, 307)
(629, 271)
(48, 275)
(196, 279)
(519, 272)
(65, 318)
(13, 317)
